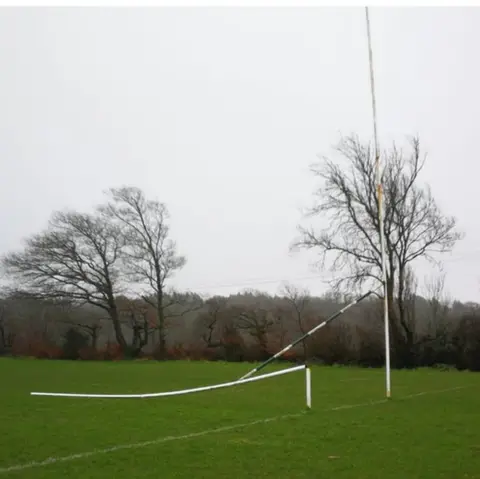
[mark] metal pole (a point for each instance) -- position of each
(308, 387)
(380, 210)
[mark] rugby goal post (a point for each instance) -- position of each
(308, 388)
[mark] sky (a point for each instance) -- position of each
(219, 112)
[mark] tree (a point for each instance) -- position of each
(280, 331)
(76, 259)
(136, 314)
(217, 327)
(74, 342)
(438, 310)
(414, 226)
(150, 256)
(298, 303)
(7, 335)
(410, 286)
(466, 341)
(437, 340)
(86, 319)
(178, 305)
(212, 320)
(90, 328)
(257, 322)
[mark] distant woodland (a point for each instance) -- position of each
(96, 285)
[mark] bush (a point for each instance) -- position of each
(89, 354)
(111, 352)
(36, 347)
(74, 342)
(177, 352)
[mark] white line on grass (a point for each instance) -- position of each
(438, 391)
(409, 396)
(354, 379)
(136, 445)
(83, 455)
(351, 406)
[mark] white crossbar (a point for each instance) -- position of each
(174, 393)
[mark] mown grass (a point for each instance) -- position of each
(414, 435)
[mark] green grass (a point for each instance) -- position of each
(432, 435)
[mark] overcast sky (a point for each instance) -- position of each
(219, 113)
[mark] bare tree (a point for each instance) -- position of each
(414, 226)
(298, 301)
(89, 326)
(438, 302)
(257, 321)
(7, 335)
(410, 302)
(217, 326)
(135, 314)
(438, 325)
(178, 305)
(76, 259)
(281, 330)
(73, 314)
(151, 256)
(212, 321)
(92, 330)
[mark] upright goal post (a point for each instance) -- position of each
(380, 196)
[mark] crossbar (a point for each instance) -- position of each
(174, 393)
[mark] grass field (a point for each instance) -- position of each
(430, 429)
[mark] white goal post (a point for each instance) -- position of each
(308, 388)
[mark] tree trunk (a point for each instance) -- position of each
(262, 342)
(395, 341)
(3, 342)
(94, 338)
(406, 334)
(140, 337)
(113, 312)
(305, 349)
(161, 325)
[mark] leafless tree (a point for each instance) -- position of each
(257, 322)
(213, 321)
(298, 301)
(151, 256)
(76, 259)
(92, 330)
(218, 328)
(7, 335)
(439, 308)
(72, 313)
(90, 326)
(178, 305)
(135, 314)
(466, 340)
(347, 203)
(281, 330)
(410, 302)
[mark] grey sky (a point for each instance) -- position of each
(219, 112)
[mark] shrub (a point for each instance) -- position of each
(74, 342)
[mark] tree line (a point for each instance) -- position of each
(95, 285)
(250, 326)
(93, 258)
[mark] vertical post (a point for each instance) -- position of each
(308, 387)
(378, 181)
